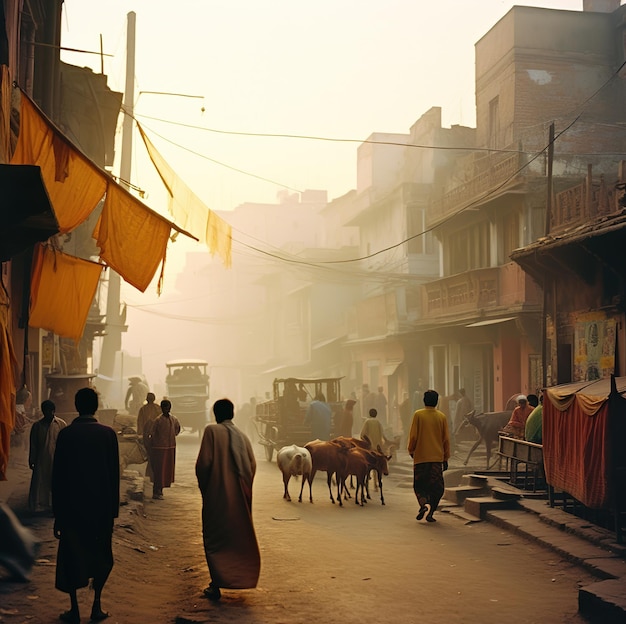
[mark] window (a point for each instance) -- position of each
(494, 123)
(510, 235)
(469, 249)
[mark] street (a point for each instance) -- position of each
(319, 563)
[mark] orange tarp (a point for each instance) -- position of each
(188, 210)
(74, 184)
(62, 290)
(132, 242)
(8, 364)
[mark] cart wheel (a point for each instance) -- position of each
(269, 452)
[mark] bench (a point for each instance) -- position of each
(518, 452)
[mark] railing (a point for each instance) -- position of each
(479, 289)
(578, 204)
(482, 174)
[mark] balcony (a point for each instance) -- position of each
(482, 173)
(506, 286)
(580, 204)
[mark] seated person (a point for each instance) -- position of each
(515, 426)
(533, 428)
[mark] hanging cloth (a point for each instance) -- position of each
(74, 184)
(188, 210)
(132, 240)
(62, 291)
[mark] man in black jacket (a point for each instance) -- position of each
(85, 502)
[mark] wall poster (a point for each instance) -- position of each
(594, 336)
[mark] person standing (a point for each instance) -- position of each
(429, 446)
(19, 434)
(347, 420)
(225, 470)
(85, 502)
(405, 416)
(43, 441)
(147, 414)
(380, 404)
(373, 430)
(161, 447)
(461, 409)
(135, 394)
(319, 417)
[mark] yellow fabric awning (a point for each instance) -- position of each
(134, 237)
(188, 209)
(62, 290)
(132, 241)
(74, 184)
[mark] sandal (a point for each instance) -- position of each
(212, 593)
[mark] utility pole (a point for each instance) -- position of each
(112, 342)
(547, 281)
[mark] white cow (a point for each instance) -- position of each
(293, 461)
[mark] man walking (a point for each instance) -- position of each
(85, 501)
(373, 430)
(429, 446)
(43, 441)
(160, 439)
(225, 470)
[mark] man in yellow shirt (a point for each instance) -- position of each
(429, 446)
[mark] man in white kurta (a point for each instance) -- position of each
(225, 469)
(43, 442)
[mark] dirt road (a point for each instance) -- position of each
(319, 563)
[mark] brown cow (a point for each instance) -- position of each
(331, 458)
(488, 426)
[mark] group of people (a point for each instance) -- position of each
(526, 420)
(80, 462)
(76, 476)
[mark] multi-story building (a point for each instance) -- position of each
(482, 318)
(395, 175)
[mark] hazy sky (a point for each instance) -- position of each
(339, 69)
(330, 68)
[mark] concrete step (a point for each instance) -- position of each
(458, 494)
(602, 602)
(480, 505)
(505, 494)
(476, 480)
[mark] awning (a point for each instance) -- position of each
(491, 322)
(75, 186)
(390, 367)
(324, 343)
(26, 214)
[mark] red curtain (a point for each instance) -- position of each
(576, 451)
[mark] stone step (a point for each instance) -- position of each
(458, 494)
(476, 480)
(505, 494)
(479, 506)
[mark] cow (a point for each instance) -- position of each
(295, 461)
(488, 426)
(357, 464)
(329, 457)
(362, 461)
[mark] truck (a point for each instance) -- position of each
(187, 383)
